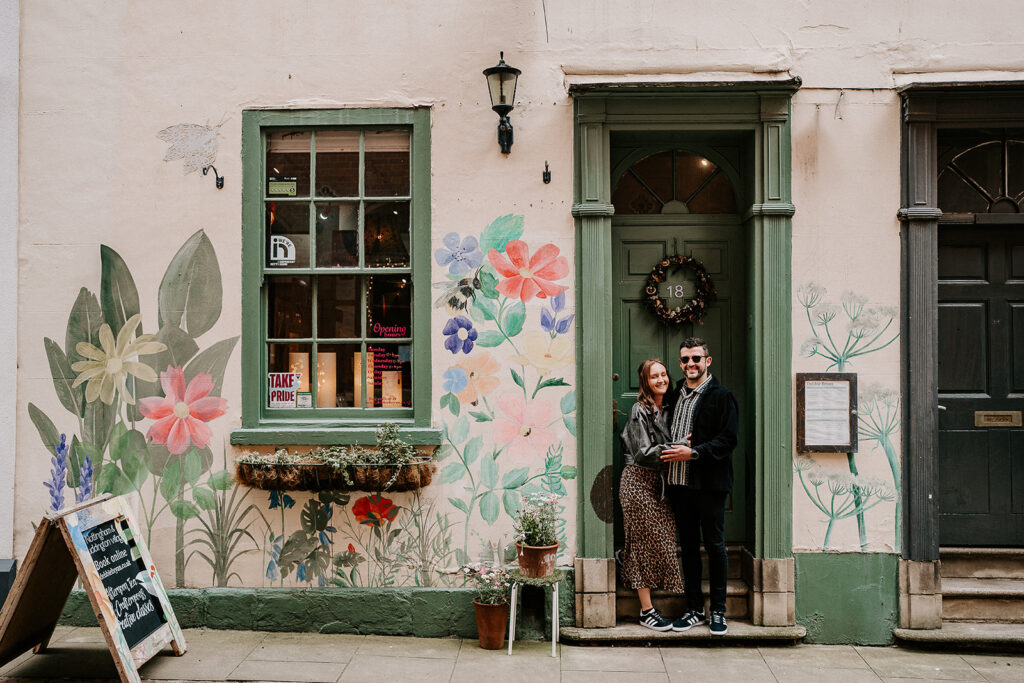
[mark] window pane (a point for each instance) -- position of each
(387, 164)
(337, 164)
(283, 359)
(287, 234)
(290, 301)
(387, 306)
(337, 306)
(338, 384)
(288, 164)
(392, 375)
(386, 234)
(337, 235)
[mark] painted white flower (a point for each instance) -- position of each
(107, 368)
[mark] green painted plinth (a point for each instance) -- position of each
(847, 597)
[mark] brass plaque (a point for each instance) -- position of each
(997, 418)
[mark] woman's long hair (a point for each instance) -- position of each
(646, 397)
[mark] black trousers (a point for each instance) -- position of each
(701, 513)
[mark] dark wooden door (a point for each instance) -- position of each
(981, 369)
(637, 245)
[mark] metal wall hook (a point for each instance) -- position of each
(220, 178)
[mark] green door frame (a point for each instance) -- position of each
(764, 109)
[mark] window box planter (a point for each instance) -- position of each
(311, 475)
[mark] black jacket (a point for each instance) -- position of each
(715, 429)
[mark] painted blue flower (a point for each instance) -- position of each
(460, 257)
(84, 491)
(460, 334)
(279, 499)
(549, 317)
(455, 380)
(58, 475)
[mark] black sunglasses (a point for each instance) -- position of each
(686, 359)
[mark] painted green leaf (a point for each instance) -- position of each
(190, 292)
(489, 338)
(313, 517)
(117, 433)
(568, 403)
(513, 479)
(500, 232)
(124, 441)
(181, 348)
(97, 423)
(514, 318)
(204, 497)
(488, 283)
(568, 472)
(170, 482)
(486, 308)
(193, 466)
(83, 324)
(451, 402)
(510, 501)
(451, 473)
(112, 480)
(459, 431)
(480, 416)
(550, 382)
(331, 497)
(472, 449)
(72, 398)
(44, 425)
(458, 504)
(476, 314)
(133, 462)
(118, 295)
(516, 377)
(213, 361)
(570, 424)
(556, 486)
(221, 481)
(488, 472)
(444, 450)
(489, 507)
(183, 509)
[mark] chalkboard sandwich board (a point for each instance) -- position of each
(98, 542)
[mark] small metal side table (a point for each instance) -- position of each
(544, 582)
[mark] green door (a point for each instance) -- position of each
(638, 243)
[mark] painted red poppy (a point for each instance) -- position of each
(374, 510)
(351, 548)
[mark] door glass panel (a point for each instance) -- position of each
(387, 164)
(337, 235)
(337, 164)
(288, 234)
(288, 164)
(386, 235)
(290, 307)
(337, 306)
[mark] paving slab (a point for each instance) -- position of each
(787, 673)
(68, 661)
(204, 664)
(998, 667)
(613, 677)
(891, 662)
(369, 667)
(688, 664)
(613, 659)
(306, 647)
(496, 665)
(314, 672)
(521, 649)
(404, 646)
(823, 656)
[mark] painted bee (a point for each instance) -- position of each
(457, 295)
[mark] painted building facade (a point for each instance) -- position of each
(370, 234)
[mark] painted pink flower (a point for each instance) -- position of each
(527, 277)
(523, 430)
(182, 412)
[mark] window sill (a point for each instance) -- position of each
(366, 435)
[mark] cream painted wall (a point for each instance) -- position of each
(99, 79)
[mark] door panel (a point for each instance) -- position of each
(638, 334)
(980, 368)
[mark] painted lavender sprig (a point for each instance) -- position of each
(84, 491)
(58, 475)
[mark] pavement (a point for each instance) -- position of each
(80, 654)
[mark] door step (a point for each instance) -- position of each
(739, 631)
(982, 563)
(964, 636)
(627, 605)
(983, 600)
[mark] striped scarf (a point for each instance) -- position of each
(682, 424)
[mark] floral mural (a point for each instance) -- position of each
(841, 335)
(144, 414)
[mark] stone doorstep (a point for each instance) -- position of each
(965, 636)
(983, 588)
(739, 632)
(987, 563)
(983, 600)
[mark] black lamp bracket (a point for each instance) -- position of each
(219, 178)
(505, 134)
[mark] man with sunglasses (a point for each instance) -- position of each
(705, 421)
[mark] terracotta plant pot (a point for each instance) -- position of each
(536, 561)
(490, 624)
(319, 477)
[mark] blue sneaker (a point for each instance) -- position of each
(718, 626)
(690, 619)
(653, 620)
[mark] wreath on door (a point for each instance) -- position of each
(694, 309)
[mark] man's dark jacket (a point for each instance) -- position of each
(715, 426)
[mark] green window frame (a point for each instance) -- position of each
(333, 425)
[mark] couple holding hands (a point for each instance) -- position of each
(678, 448)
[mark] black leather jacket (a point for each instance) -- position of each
(715, 429)
(644, 437)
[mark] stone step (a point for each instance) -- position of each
(739, 632)
(982, 563)
(627, 605)
(964, 636)
(983, 600)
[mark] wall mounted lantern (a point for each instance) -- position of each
(501, 81)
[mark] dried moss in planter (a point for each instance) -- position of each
(393, 465)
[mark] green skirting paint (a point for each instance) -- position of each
(847, 597)
(424, 612)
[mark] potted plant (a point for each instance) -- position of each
(535, 527)
(393, 465)
(491, 602)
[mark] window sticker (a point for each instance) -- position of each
(283, 389)
(282, 186)
(282, 251)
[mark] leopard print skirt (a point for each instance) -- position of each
(649, 558)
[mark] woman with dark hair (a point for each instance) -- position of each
(649, 557)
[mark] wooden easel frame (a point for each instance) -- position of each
(57, 556)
